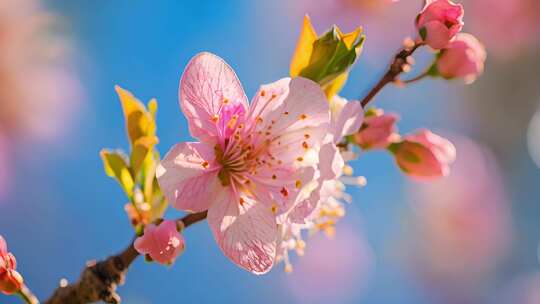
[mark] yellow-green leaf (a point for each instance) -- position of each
(140, 150)
(304, 48)
(115, 165)
(139, 122)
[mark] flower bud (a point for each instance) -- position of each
(424, 155)
(10, 280)
(326, 59)
(439, 22)
(378, 130)
(163, 243)
(463, 57)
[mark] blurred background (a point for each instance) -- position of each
(470, 238)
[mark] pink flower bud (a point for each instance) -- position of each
(378, 130)
(3, 245)
(10, 280)
(163, 243)
(439, 21)
(424, 155)
(463, 58)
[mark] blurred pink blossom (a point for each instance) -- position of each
(38, 88)
(163, 243)
(524, 290)
(5, 166)
(463, 57)
(332, 270)
(461, 225)
(508, 28)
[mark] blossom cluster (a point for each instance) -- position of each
(461, 55)
(267, 170)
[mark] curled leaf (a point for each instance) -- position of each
(116, 166)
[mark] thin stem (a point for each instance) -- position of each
(99, 280)
(26, 294)
(398, 65)
(415, 79)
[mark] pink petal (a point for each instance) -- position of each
(163, 243)
(188, 176)
(246, 233)
(330, 161)
(438, 35)
(207, 84)
(348, 121)
(278, 188)
(290, 105)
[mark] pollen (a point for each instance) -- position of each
(305, 145)
(205, 164)
(259, 119)
(284, 192)
(303, 116)
(286, 113)
(225, 101)
(273, 96)
(298, 184)
(274, 176)
(263, 93)
(274, 208)
(306, 136)
(300, 158)
(233, 121)
(241, 201)
(215, 118)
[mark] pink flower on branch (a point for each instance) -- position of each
(378, 130)
(464, 58)
(251, 162)
(439, 22)
(424, 155)
(163, 243)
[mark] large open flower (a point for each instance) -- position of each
(252, 162)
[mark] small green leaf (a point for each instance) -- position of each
(115, 165)
(433, 70)
(423, 33)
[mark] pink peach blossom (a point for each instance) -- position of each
(346, 119)
(378, 131)
(251, 162)
(163, 242)
(439, 22)
(424, 155)
(10, 280)
(464, 58)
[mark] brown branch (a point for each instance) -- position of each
(99, 280)
(400, 64)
